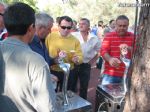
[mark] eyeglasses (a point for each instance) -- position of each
(66, 27)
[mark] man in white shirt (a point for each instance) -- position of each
(90, 47)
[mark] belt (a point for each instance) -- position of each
(84, 64)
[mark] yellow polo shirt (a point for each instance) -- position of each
(55, 42)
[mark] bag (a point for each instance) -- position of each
(99, 62)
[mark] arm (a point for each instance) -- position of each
(114, 62)
(78, 58)
(105, 49)
(52, 61)
(47, 42)
(96, 48)
(93, 59)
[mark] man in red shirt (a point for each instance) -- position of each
(112, 44)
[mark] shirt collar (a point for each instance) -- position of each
(15, 41)
(36, 38)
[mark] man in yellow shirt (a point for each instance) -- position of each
(64, 41)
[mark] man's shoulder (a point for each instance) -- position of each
(53, 35)
(34, 41)
(35, 57)
(130, 34)
(111, 34)
(93, 37)
(75, 34)
(23, 52)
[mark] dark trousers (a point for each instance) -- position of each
(83, 74)
(71, 82)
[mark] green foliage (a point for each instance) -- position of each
(94, 10)
(32, 3)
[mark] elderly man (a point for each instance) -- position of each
(63, 41)
(112, 44)
(27, 77)
(43, 24)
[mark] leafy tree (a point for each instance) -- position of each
(138, 97)
(95, 10)
(32, 3)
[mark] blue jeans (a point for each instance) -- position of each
(108, 79)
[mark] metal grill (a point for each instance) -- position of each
(110, 98)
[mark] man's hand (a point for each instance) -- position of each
(75, 59)
(114, 62)
(54, 78)
(56, 60)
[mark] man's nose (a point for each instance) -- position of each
(122, 27)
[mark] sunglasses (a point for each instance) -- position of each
(66, 27)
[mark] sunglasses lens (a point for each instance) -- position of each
(68, 28)
(65, 27)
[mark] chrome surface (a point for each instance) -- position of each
(67, 101)
(76, 103)
(112, 95)
(113, 92)
(66, 69)
(127, 64)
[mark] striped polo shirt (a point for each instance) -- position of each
(111, 45)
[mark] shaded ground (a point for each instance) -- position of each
(92, 86)
(95, 73)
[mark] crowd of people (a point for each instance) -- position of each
(29, 55)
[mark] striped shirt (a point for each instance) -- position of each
(111, 45)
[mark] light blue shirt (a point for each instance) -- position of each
(27, 78)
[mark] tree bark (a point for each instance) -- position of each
(138, 96)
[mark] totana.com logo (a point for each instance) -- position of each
(133, 5)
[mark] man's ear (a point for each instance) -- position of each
(31, 28)
(31, 31)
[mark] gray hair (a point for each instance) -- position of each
(4, 5)
(42, 19)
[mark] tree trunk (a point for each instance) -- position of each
(138, 97)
